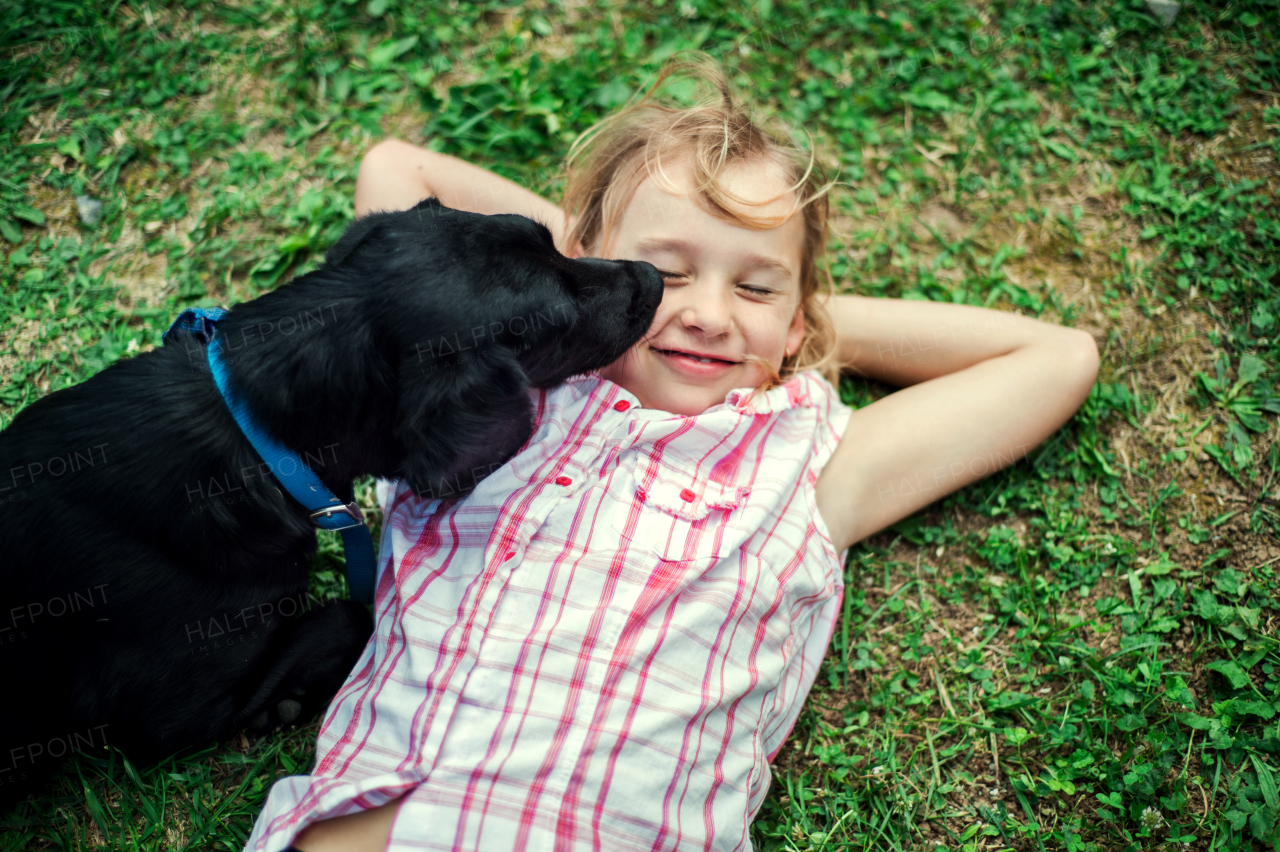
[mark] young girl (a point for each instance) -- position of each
(605, 644)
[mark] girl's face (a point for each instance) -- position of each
(733, 291)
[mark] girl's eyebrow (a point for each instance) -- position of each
(754, 261)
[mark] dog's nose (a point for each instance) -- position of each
(651, 286)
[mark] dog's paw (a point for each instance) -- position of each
(288, 711)
(285, 712)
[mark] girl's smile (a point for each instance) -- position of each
(695, 364)
(731, 293)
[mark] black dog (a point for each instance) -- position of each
(153, 579)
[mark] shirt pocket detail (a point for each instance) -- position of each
(683, 517)
(691, 498)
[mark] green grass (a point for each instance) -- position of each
(1076, 653)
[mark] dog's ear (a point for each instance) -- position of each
(428, 203)
(460, 420)
(356, 233)
(369, 224)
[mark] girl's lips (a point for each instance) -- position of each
(691, 365)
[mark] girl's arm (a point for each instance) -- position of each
(395, 175)
(981, 389)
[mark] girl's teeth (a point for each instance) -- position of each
(700, 359)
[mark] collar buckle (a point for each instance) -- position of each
(328, 512)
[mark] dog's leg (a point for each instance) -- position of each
(307, 665)
(296, 670)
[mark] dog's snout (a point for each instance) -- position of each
(648, 283)
(594, 267)
(651, 285)
(642, 277)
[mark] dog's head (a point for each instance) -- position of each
(477, 310)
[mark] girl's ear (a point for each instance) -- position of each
(795, 334)
(576, 251)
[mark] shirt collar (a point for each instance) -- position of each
(793, 393)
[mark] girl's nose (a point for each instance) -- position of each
(704, 307)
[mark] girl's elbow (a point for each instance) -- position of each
(1084, 359)
(1087, 346)
(394, 159)
(384, 148)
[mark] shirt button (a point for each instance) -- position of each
(563, 480)
(687, 496)
(621, 405)
(510, 555)
(641, 495)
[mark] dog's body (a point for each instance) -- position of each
(152, 573)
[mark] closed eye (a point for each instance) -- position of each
(668, 275)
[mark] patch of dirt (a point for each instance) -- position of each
(510, 29)
(20, 342)
(948, 220)
(235, 94)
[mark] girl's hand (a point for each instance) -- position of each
(395, 175)
(985, 388)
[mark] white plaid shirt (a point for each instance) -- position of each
(602, 646)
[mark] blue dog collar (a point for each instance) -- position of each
(327, 511)
(198, 321)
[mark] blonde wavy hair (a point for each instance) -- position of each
(609, 160)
